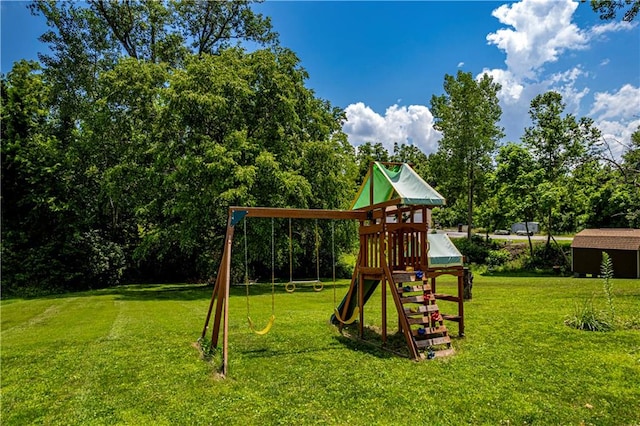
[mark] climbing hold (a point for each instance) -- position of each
(406, 288)
(421, 331)
(419, 274)
(431, 354)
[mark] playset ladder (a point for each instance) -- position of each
(426, 334)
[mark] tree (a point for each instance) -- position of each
(608, 9)
(467, 115)
(140, 131)
(48, 242)
(513, 188)
(411, 154)
(150, 30)
(366, 153)
(558, 144)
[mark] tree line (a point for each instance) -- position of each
(123, 148)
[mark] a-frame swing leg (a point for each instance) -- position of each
(211, 303)
(221, 298)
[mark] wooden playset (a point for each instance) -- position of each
(396, 252)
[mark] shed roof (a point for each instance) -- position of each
(397, 181)
(611, 239)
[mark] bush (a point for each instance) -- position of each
(546, 257)
(587, 318)
(101, 262)
(497, 258)
(67, 263)
(476, 249)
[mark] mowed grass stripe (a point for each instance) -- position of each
(124, 356)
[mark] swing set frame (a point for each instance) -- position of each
(393, 239)
(219, 304)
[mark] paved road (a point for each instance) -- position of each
(456, 234)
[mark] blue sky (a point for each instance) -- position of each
(383, 61)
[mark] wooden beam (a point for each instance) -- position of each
(226, 283)
(286, 213)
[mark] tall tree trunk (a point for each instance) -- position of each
(526, 226)
(549, 227)
(470, 205)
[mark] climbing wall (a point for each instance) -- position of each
(430, 336)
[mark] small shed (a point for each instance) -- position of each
(622, 245)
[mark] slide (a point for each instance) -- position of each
(369, 287)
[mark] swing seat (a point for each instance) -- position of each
(290, 287)
(264, 330)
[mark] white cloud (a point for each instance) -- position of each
(609, 27)
(511, 89)
(623, 104)
(617, 134)
(460, 64)
(409, 125)
(617, 115)
(541, 31)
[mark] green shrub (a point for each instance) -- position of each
(587, 318)
(497, 258)
(546, 257)
(606, 269)
(476, 249)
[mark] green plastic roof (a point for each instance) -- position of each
(399, 182)
(442, 252)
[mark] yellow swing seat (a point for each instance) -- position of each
(264, 330)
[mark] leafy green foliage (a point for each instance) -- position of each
(558, 144)
(467, 115)
(608, 9)
(476, 249)
(134, 141)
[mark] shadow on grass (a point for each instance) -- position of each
(271, 353)
(180, 291)
(371, 343)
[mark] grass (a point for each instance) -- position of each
(125, 356)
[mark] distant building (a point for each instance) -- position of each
(622, 245)
(521, 226)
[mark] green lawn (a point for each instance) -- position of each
(125, 356)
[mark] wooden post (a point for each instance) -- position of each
(211, 303)
(382, 240)
(460, 305)
(223, 286)
(361, 304)
(225, 342)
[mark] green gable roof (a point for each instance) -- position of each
(397, 182)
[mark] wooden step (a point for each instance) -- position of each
(422, 320)
(447, 297)
(425, 343)
(417, 299)
(403, 276)
(416, 310)
(430, 332)
(440, 353)
(414, 288)
(455, 318)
